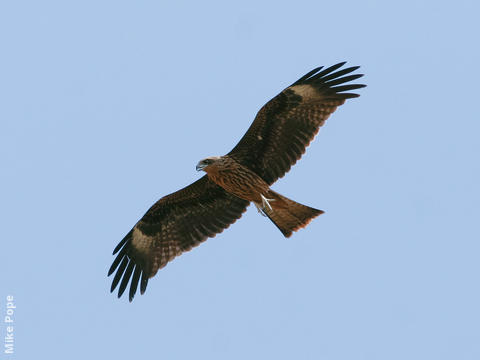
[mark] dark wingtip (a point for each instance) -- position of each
(316, 73)
(335, 66)
(116, 262)
(337, 78)
(128, 270)
(111, 270)
(350, 95)
(126, 278)
(307, 75)
(119, 273)
(122, 242)
(348, 69)
(330, 69)
(329, 77)
(339, 89)
(332, 77)
(143, 283)
(134, 284)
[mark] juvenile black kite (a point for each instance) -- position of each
(281, 131)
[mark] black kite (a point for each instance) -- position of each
(277, 138)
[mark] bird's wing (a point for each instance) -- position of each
(284, 126)
(174, 224)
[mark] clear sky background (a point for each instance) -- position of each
(106, 106)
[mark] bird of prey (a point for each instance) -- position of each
(277, 138)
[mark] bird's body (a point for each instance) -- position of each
(282, 129)
(237, 179)
(242, 182)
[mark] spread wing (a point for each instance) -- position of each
(284, 126)
(174, 224)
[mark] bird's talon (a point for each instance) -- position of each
(265, 203)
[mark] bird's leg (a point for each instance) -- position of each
(265, 206)
(259, 208)
(265, 203)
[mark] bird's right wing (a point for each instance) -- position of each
(174, 224)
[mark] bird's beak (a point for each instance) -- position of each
(200, 166)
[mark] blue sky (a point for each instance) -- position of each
(107, 106)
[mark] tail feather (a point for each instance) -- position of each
(289, 215)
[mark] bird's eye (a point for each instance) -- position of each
(207, 162)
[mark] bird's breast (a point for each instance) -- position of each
(240, 181)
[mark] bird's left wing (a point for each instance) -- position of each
(174, 224)
(285, 125)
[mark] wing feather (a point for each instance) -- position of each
(126, 277)
(120, 272)
(135, 278)
(286, 125)
(174, 224)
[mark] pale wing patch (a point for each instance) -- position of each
(140, 241)
(305, 91)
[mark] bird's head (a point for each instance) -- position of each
(203, 164)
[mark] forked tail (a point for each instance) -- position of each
(287, 214)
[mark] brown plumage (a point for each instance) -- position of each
(277, 138)
(239, 180)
